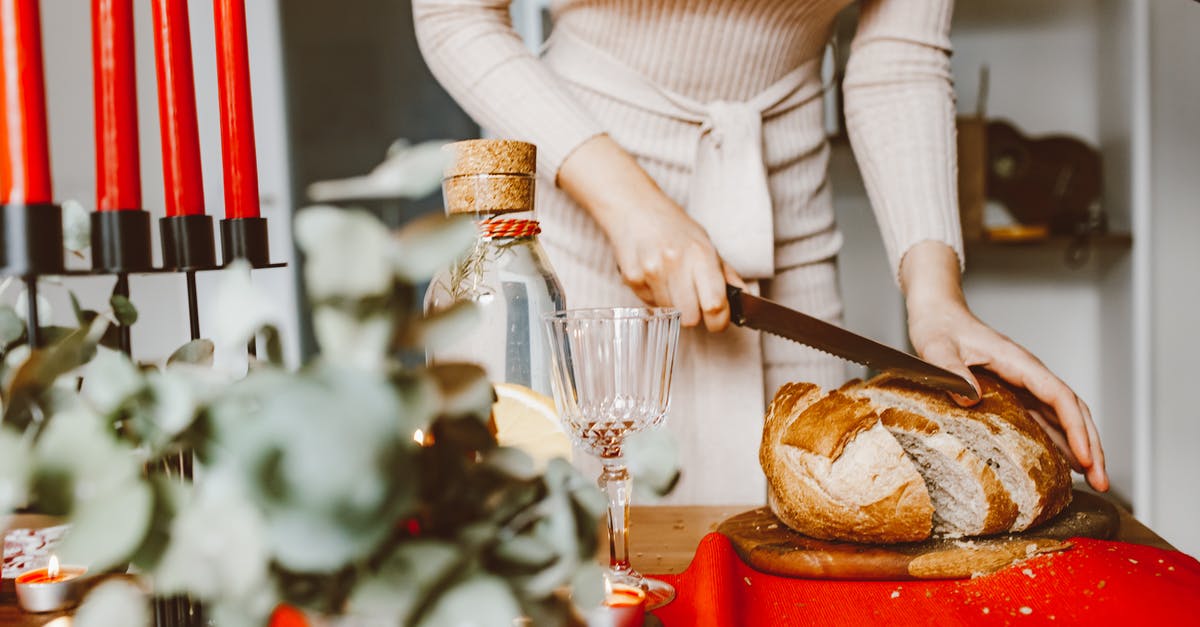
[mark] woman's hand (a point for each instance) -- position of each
(663, 254)
(945, 332)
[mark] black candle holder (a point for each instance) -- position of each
(245, 238)
(31, 239)
(121, 241)
(187, 242)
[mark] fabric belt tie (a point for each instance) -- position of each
(729, 194)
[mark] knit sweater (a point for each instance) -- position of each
(898, 97)
(899, 114)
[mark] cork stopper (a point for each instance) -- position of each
(490, 176)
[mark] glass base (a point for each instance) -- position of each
(658, 593)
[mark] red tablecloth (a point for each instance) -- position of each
(1094, 583)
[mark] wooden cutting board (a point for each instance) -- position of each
(768, 545)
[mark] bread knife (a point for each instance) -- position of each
(753, 312)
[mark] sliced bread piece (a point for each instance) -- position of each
(998, 430)
(968, 499)
(835, 473)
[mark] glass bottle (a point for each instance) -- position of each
(506, 274)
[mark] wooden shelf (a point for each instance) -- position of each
(1106, 240)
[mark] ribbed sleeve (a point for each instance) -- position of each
(899, 104)
(473, 51)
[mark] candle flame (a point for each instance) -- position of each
(52, 567)
(419, 437)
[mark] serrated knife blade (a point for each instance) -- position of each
(753, 312)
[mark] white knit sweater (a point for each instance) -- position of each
(899, 114)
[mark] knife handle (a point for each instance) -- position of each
(734, 294)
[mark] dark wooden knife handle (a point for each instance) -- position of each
(734, 294)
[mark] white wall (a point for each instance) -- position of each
(1175, 250)
(66, 40)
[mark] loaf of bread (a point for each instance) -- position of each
(889, 461)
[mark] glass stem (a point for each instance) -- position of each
(616, 484)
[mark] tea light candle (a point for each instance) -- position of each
(49, 589)
(624, 606)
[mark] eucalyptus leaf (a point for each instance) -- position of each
(170, 497)
(464, 388)
(197, 352)
(413, 571)
(587, 586)
(408, 172)
(481, 600)
(110, 379)
(445, 327)
(77, 226)
(106, 530)
(77, 308)
(45, 311)
(36, 374)
(348, 252)
(175, 401)
(526, 552)
(348, 340)
(272, 345)
(512, 462)
(431, 243)
(113, 603)
(240, 310)
(11, 326)
(123, 310)
(14, 471)
(653, 459)
(218, 546)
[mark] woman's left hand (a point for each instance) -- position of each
(945, 332)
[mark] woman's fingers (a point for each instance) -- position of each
(1097, 474)
(945, 354)
(1020, 368)
(1056, 436)
(710, 286)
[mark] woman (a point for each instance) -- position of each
(681, 146)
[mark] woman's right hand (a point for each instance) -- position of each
(664, 255)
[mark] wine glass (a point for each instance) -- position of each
(611, 376)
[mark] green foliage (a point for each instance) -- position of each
(123, 310)
(314, 491)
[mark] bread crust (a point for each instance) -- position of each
(891, 503)
(1000, 411)
(835, 472)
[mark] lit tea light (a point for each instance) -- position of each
(49, 589)
(624, 606)
(419, 437)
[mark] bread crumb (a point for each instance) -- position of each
(1028, 572)
(1171, 568)
(1132, 561)
(1026, 610)
(895, 594)
(1101, 584)
(747, 580)
(987, 610)
(773, 526)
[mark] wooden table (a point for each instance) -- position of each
(662, 540)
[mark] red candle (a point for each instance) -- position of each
(118, 180)
(237, 118)
(177, 109)
(24, 147)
